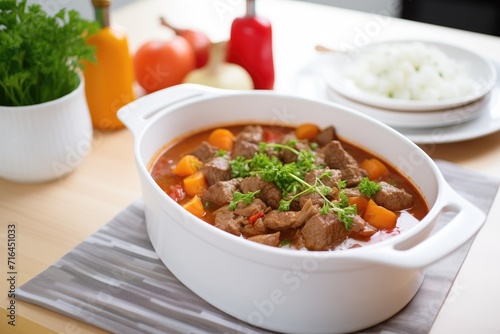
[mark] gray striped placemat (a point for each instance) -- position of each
(114, 279)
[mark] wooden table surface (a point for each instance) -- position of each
(53, 218)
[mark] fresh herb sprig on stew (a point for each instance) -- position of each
(368, 188)
(271, 169)
(341, 208)
(240, 197)
(290, 179)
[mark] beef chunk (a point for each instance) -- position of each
(205, 152)
(257, 228)
(329, 180)
(361, 228)
(294, 237)
(308, 210)
(352, 192)
(247, 210)
(335, 156)
(287, 156)
(326, 135)
(319, 160)
(269, 192)
(216, 170)
(226, 220)
(323, 232)
(353, 175)
(393, 198)
(221, 193)
(267, 239)
(315, 198)
(286, 138)
(282, 220)
(246, 142)
(244, 148)
(250, 133)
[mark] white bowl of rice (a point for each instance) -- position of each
(411, 75)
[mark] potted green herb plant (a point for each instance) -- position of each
(45, 127)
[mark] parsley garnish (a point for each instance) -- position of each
(285, 176)
(221, 153)
(368, 188)
(317, 187)
(290, 179)
(285, 242)
(341, 208)
(239, 167)
(240, 197)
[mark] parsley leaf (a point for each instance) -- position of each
(239, 167)
(368, 188)
(285, 242)
(290, 179)
(240, 197)
(341, 208)
(278, 147)
(265, 166)
(221, 153)
(346, 215)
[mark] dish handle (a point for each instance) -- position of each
(136, 114)
(460, 229)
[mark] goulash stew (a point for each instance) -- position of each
(301, 188)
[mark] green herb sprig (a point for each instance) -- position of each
(40, 54)
(368, 188)
(290, 179)
(341, 208)
(240, 197)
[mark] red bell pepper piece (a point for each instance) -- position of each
(250, 46)
(253, 218)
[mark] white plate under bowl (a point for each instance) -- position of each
(477, 67)
(416, 120)
(309, 83)
(487, 123)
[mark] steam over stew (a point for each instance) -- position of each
(299, 188)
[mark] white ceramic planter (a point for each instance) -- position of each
(46, 141)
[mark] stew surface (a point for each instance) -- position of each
(301, 188)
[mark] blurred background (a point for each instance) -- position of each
(85, 6)
(481, 16)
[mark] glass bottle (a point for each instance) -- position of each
(108, 82)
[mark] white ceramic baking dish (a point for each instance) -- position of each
(280, 289)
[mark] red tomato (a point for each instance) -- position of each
(197, 39)
(176, 192)
(161, 64)
(200, 44)
(270, 136)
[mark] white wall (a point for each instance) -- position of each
(385, 7)
(83, 6)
